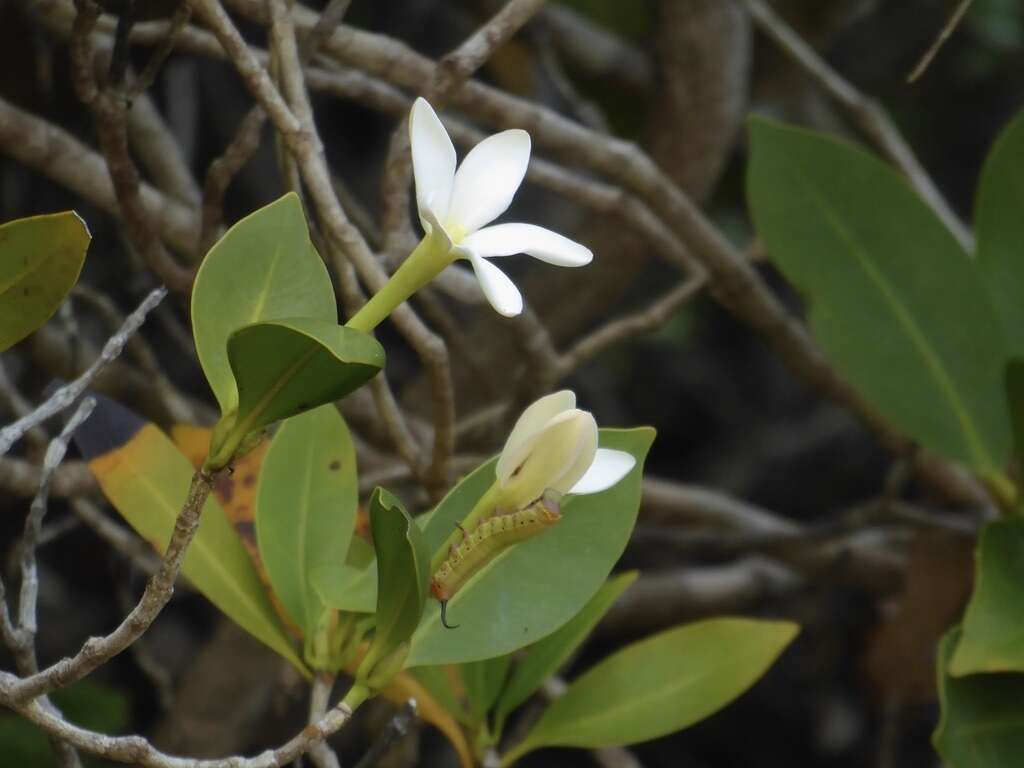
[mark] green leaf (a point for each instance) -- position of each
(285, 367)
(982, 721)
(264, 268)
(992, 637)
(483, 681)
(534, 587)
(403, 572)
(999, 222)
(40, 259)
(659, 685)
(1014, 381)
(894, 301)
(147, 478)
(347, 587)
(440, 684)
(306, 507)
(547, 656)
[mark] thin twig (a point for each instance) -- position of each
(138, 751)
(321, 755)
(58, 155)
(69, 393)
(20, 639)
(868, 114)
(620, 329)
(396, 728)
(148, 75)
(97, 651)
(944, 34)
(109, 107)
(34, 522)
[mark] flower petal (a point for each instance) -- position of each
(608, 468)
(543, 244)
(433, 161)
(435, 228)
(497, 287)
(544, 458)
(585, 458)
(488, 179)
(530, 423)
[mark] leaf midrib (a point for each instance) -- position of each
(904, 318)
(613, 711)
(303, 544)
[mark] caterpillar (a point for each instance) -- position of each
(481, 545)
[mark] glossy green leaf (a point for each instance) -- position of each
(441, 682)
(535, 587)
(40, 259)
(403, 573)
(147, 479)
(306, 507)
(483, 681)
(661, 684)
(982, 720)
(547, 656)
(992, 637)
(347, 587)
(264, 268)
(285, 367)
(999, 222)
(892, 298)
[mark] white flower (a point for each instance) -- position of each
(553, 447)
(455, 205)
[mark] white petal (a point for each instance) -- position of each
(435, 228)
(488, 179)
(543, 244)
(585, 458)
(499, 290)
(608, 468)
(433, 161)
(530, 423)
(544, 458)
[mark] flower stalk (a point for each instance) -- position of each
(425, 263)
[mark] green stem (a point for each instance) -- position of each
(423, 265)
(515, 754)
(356, 695)
(1003, 490)
(485, 506)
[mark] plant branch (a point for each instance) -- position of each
(69, 393)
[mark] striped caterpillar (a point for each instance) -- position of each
(481, 545)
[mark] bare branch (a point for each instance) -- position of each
(97, 651)
(109, 106)
(34, 522)
(137, 751)
(161, 155)
(21, 477)
(944, 34)
(57, 154)
(148, 75)
(320, 754)
(620, 329)
(868, 114)
(69, 393)
(459, 65)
